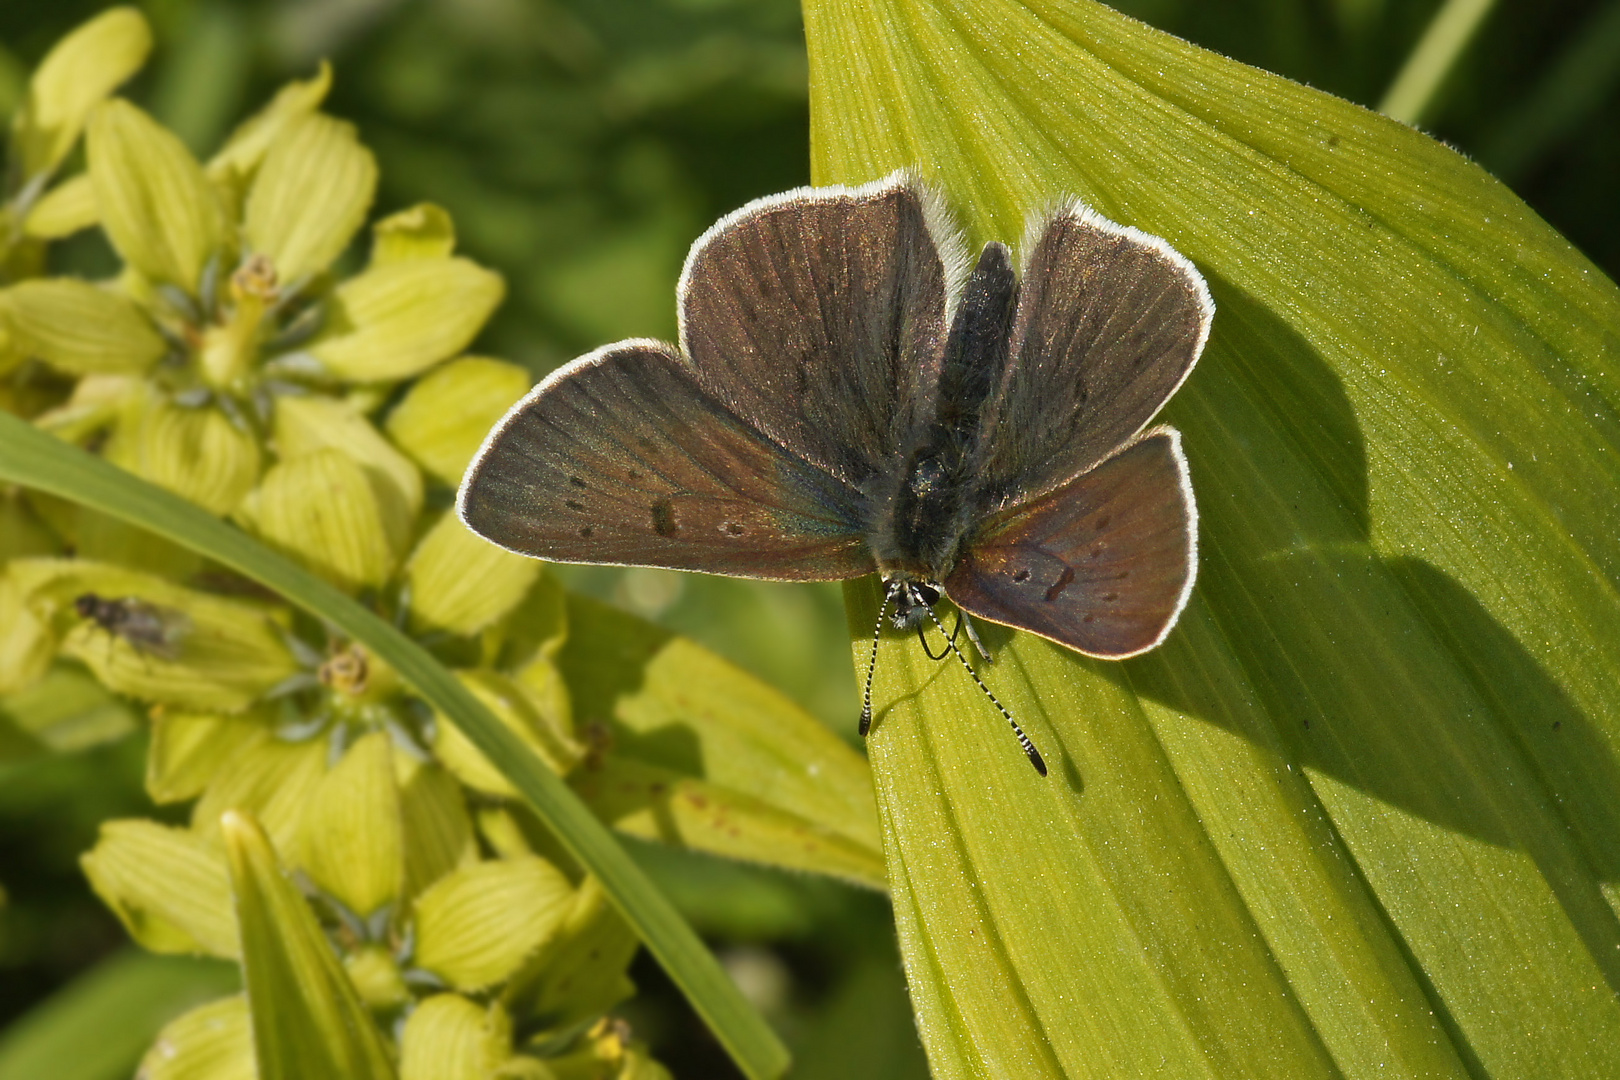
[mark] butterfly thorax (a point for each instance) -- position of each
(926, 518)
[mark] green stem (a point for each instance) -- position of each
(1411, 96)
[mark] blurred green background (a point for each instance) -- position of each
(581, 146)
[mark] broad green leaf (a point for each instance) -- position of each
(1359, 814)
(698, 753)
(36, 460)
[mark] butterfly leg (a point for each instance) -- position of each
(943, 653)
(973, 635)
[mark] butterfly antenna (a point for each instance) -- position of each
(1033, 754)
(871, 668)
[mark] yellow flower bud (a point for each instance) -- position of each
(397, 319)
(351, 841)
(425, 231)
(247, 145)
(477, 925)
(167, 886)
(145, 636)
(309, 197)
(79, 72)
(376, 977)
(213, 1041)
(63, 210)
(322, 509)
(461, 582)
(306, 424)
(444, 418)
(187, 749)
(157, 207)
(451, 1038)
(79, 328)
(270, 778)
(197, 453)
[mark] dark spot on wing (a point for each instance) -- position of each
(1060, 584)
(1088, 618)
(1102, 523)
(576, 481)
(586, 531)
(1021, 577)
(573, 504)
(1111, 597)
(1096, 552)
(731, 528)
(647, 445)
(635, 477)
(663, 518)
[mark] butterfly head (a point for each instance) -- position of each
(910, 600)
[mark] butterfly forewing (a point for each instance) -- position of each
(1102, 564)
(1109, 323)
(819, 316)
(621, 457)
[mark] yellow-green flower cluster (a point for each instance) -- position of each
(395, 913)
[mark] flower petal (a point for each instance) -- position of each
(399, 318)
(157, 207)
(309, 197)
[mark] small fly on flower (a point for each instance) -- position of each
(150, 629)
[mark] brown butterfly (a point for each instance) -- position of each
(830, 413)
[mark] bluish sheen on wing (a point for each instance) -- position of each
(624, 459)
(1109, 323)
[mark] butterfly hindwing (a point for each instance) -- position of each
(1103, 564)
(1109, 323)
(621, 457)
(819, 317)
